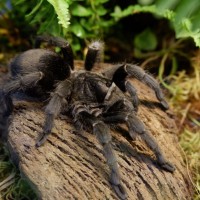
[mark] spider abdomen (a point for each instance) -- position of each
(42, 67)
(39, 60)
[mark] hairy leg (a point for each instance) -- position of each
(6, 108)
(94, 54)
(133, 93)
(22, 82)
(140, 74)
(56, 104)
(135, 127)
(58, 42)
(17, 84)
(129, 70)
(102, 132)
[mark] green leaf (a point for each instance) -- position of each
(35, 9)
(62, 10)
(146, 40)
(162, 5)
(145, 2)
(101, 11)
(183, 15)
(117, 14)
(80, 11)
(78, 30)
(133, 9)
(100, 2)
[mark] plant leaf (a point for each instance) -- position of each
(78, 30)
(62, 10)
(35, 9)
(146, 40)
(81, 11)
(184, 15)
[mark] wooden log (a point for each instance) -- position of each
(71, 165)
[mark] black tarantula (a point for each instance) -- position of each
(92, 99)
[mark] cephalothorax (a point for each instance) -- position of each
(92, 99)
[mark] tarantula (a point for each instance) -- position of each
(92, 99)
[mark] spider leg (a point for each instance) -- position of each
(22, 82)
(19, 83)
(140, 74)
(133, 92)
(102, 132)
(119, 77)
(57, 101)
(58, 42)
(6, 108)
(94, 54)
(135, 127)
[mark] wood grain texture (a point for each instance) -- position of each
(71, 164)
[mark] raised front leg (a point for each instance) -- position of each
(58, 42)
(94, 54)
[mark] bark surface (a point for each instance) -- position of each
(71, 165)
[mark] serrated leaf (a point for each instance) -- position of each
(62, 10)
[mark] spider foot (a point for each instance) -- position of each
(120, 191)
(167, 166)
(115, 181)
(41, 139)
(164, 104)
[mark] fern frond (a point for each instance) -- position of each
(61, 8)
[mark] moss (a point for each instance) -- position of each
(12, 186)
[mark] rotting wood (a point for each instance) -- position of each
(71, 164)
